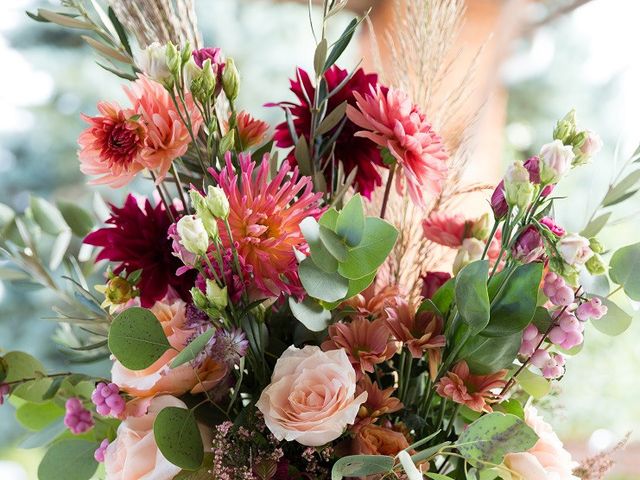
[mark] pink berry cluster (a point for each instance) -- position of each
(108, 400)
(568, 332)
(101, 451)
(557, 290)
(77, 418)
(5, 389)
(591, 310)
(551, 364)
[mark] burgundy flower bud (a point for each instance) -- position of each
(432, 281)
(551, 224)
(213, 54)
(499, 202)
(529, 246)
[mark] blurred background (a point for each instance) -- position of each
(540, 60)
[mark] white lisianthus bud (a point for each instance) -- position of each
(518, 188)
(217, 202)
(480, 228)
(590, 146)
(555, 161)
(574, 249)
(230, 80)
(409, 467)
(189, 72)
(153, 62)
(193, 235)
(470, 251)
(202, 211)
(217, 296)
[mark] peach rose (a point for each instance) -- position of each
(160, 378)
(547, 459)
(376, 440)
(311, 398)
(134, 455)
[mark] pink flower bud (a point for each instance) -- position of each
(529, 246)
(553, 227)
(432, 281)
(499, 202)
(591, 310)
(101, 450)
(5, 389)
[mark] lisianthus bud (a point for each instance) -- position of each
(596, 266)
(193, 235)
(566, 127)
(574, 249)
(217, 202)
(470, 251)
(498, 202)
(551, 224)
(199, 299)
(432, 282)
(173, 59)
(517, 185)
(480, 228)
(590, 145)
(190, 71)
(153, 62)
(230, 80)
(216, 296)
(556, 160)
(202, 211)
(529, 246)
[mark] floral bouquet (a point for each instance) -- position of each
(302, 303)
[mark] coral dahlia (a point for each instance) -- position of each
(389, 119)
(474, 391)
(264, 218)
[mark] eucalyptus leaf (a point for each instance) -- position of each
(624, 267)
(332, 119)
(79, 220)
(21, 365)
(535, 385)
(486, 355)
(69, 460)
(322, 285)
(36, 416)
(178, 437)
(472, 297)
(341, 44)
(47, 216)
(137, 339)
(596, 225)
(622, 188)
(351, 221)
(310, 313)
(492, 436)
(361, 466)
(615, 322)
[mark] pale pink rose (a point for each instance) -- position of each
(547, 459)
(160, 378)
(134, 454)
(311, 398)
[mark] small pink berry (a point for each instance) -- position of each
(77, 418)
(101, 450)
(564, 296)
(557, 335)
(5, 389)
(572, 339)
(540, 358)
(530, 333)
(569, 323)
(107, 399)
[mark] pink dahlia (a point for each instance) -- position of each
(447, 230)
(350, 150)
(265, 218)
(366, 343)
(167, 137)
(111, 145)
(389, 119)
(137, 239)
(251, 131)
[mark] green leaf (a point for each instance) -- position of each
(378, 240)
(329, 219)
(492, 436)
(6, 216)
(34, 390)
(59, 249)
(178, 437)
(136, 338)
(533, 384)
(472, 296)
(34, 416)
(47, 216)
(320, 56)
(516, 304)
(615, 322)
(621, 189)
(79, 220)
(122, 34)
(63, 20)
(351, 222)
(361, 466)
(333, 243)
(45, 436)
(322, 285)
(69, 459)
(542, 319)
(444, 297)
(194, 347)
(621, 199)
(341, 44)
(310, 313)
(21, 365)
(486, 355)
(320, 254)
(596, 225)
(437, 476)
(623, 270)
(332, 119)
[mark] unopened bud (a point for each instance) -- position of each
(480, 228)
(595, 265)
(216, 296)
(595, 245)
(217, 202)
(565, 128)
(230, 80)
(193, 235)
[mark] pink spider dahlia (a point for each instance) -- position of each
(265, 218)
(389, 119)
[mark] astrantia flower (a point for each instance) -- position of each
(389, 119)
(111, 145)
(474, 391)
(366, 343)
(265, 218)
(167, 137)
(350, 150)
(137, 239)
(228, 346)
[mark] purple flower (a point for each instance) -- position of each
(228, 346)
(77, 418)
(529, 246)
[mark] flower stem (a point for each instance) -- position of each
(387, 191)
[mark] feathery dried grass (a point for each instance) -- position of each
(596, 467)
(421, 43)
(159, 21)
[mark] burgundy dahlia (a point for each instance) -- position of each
(137, 239)
(352, 151)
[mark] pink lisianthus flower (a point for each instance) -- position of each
(553, 227)
(389, 119)
(447, 230)
(110, 147)
(529, 246)
(265, 218)
(167, 137)
(547, 459)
